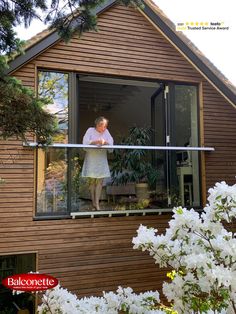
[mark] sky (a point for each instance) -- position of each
(218, 45)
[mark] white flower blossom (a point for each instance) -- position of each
(59, 300)
(201, 250)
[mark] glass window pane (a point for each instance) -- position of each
(54, 86)
(52, 181)
(186, 134)
(52, 174)
(131, 186)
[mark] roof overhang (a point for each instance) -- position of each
(46, 42)
(159, 22)
(189, 53)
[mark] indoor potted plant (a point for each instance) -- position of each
(134, 165)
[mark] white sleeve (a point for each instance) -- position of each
(87, 137)
(109, 138)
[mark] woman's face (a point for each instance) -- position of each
(101, 127)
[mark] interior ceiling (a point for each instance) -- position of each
(102, 96)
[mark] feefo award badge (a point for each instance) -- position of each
(202, 26)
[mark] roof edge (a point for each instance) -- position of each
(161, 24)
(46, 42)
(187, 51)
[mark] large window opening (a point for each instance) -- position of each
(168, 113)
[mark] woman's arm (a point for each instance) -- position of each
(108, 139)
(88, 138)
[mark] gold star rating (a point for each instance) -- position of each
(206, 23)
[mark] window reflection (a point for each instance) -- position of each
(54, 87)
(52, 163)
(52, 181)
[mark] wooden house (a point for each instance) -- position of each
(136, 70)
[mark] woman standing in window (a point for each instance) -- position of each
(95, 165)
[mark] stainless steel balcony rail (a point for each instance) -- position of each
(174, 148)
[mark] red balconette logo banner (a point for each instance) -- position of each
(30, 282)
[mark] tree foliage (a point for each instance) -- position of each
(68, 17)
(13, 13)
(77, 16)
(20, 110)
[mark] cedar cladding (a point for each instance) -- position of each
(220, 130)
(92, 255)
(126, 44)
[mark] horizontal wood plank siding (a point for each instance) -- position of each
(92, 255)
(86, 255)
(220, 130)
(126, 44)
(27, 75)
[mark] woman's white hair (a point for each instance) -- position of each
(101, 119)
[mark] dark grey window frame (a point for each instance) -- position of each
(73, 132)
(73, 117)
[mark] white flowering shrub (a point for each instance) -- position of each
(201, 250)
(60, 301)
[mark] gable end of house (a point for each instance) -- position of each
(160, 23)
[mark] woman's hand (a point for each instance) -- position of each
(99, 142)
